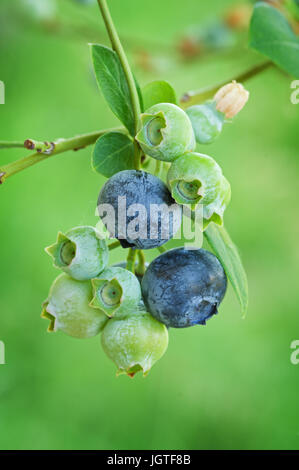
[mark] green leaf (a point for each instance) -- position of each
(112, 81)
(113, 152)
(271, 34)
(156, 92)
(228, 254)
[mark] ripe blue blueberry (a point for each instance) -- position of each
(183, 287)
(138, 209)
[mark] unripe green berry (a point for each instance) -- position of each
(67, 307)
(166, 132)
(139, 275)
(196, 178)
(81, 253)
(206, 121)
(116, 291)
(134, 342)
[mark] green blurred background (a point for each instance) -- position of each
(229, 385)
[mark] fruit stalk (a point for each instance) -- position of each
(140, 269)
(131, 260)
(113, 245)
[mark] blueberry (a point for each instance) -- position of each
(68, 308)
(166, 132)
(206, 121)
(116, 291)
(81, 253)
(184, 287)
(140, 203)
(195, 178)
(134, 342)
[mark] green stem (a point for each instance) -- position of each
(137, 156)
(114, 245)
(59, 146)
(141, 263)
(200, 96)
(117, 46)
(158, 168)
(11, 145)
(131, 260)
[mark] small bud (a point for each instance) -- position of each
(166, 132)
(196, 178)
(80, 252)
(67, 308)
(135, 342)
(231, 98)
(115, 291)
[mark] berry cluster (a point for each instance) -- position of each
(133, 308)
(89, 297)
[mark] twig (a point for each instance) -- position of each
(200, 96)
(59, 146)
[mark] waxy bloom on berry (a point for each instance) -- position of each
(166, 132)
(67, 308)
(116, 291)
(195, 178)
(134, 342)
(183, 288)
(81, 253)
(206, 121)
